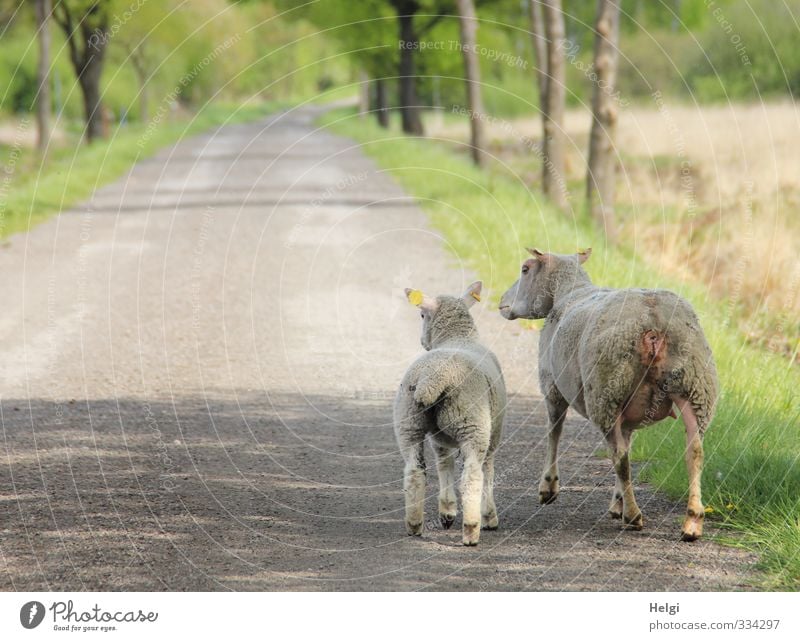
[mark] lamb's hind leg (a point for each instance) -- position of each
(414, 485)
(695, 512)
(471, 490)
(620, 441)
(489, 520)
(446, 467)
(556, 410)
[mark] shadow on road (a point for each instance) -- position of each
(291, 492)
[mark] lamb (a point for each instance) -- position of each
(622, 359)
(455, 395)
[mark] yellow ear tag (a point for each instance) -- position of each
(415, 297)
(477, 297)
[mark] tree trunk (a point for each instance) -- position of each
(472, 74)
(539, 48)
(92, 107)
(43, 8)
(87, 39)
(144, 102)
(409, 102)
(138, 58)
(600, 175)
(553, 180)
(363, 93)
(381, 103)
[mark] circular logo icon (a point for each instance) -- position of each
(31, 614)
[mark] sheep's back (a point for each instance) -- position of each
(622, 339)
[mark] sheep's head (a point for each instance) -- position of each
(532, 295)
(445, 317)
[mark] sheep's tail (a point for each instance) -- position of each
(653, 348)
(429, 389)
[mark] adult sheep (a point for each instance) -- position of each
(454, 394)
(621, 358)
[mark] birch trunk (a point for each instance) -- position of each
(601, 171)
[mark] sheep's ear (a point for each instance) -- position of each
(423, 301)
(473, 294)
(583, 256)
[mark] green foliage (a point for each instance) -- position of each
(751, 51)
(752, 478)
(656, 61)
(191, 52)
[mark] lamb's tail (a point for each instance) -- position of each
(429, 389)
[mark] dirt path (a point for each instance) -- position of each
(196, 376)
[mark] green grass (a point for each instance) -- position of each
(752, 472)
(36, 190)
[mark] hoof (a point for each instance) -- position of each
(471, 534)
(545, 498)
(616, 509)
(490, 522)
(635, 523)
(414, 529)
(447, 520)
(692, 528)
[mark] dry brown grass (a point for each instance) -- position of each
(708, 193)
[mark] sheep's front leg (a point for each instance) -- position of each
(471, 490)
(489, 520)
(619, 440)
(414, 486)
(695, 512)
(556, 411)
(446, 467)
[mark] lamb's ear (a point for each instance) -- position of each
(583, 256)
(473, 293)
(540, 256)
(423, 301)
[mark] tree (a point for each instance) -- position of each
(43, 10)
(148, 39)
(553, 180)
(601, 175)
(367, 31)
(363, 93)
(85, 26)
(409, 44)
(381, 102)
(472, 75)
(410, 36)
(539, 48)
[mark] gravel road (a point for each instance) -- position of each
(197, 370)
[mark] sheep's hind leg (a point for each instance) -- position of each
(414, 486)
(615, 509)
(489, 520)
(471, 491)
(556, 410)
(620, 440)
(695, 512)
(446, 467)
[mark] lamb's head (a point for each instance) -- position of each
(532, 295)
(445, 317)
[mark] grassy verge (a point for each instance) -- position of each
(752, 473)
(34, 190)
